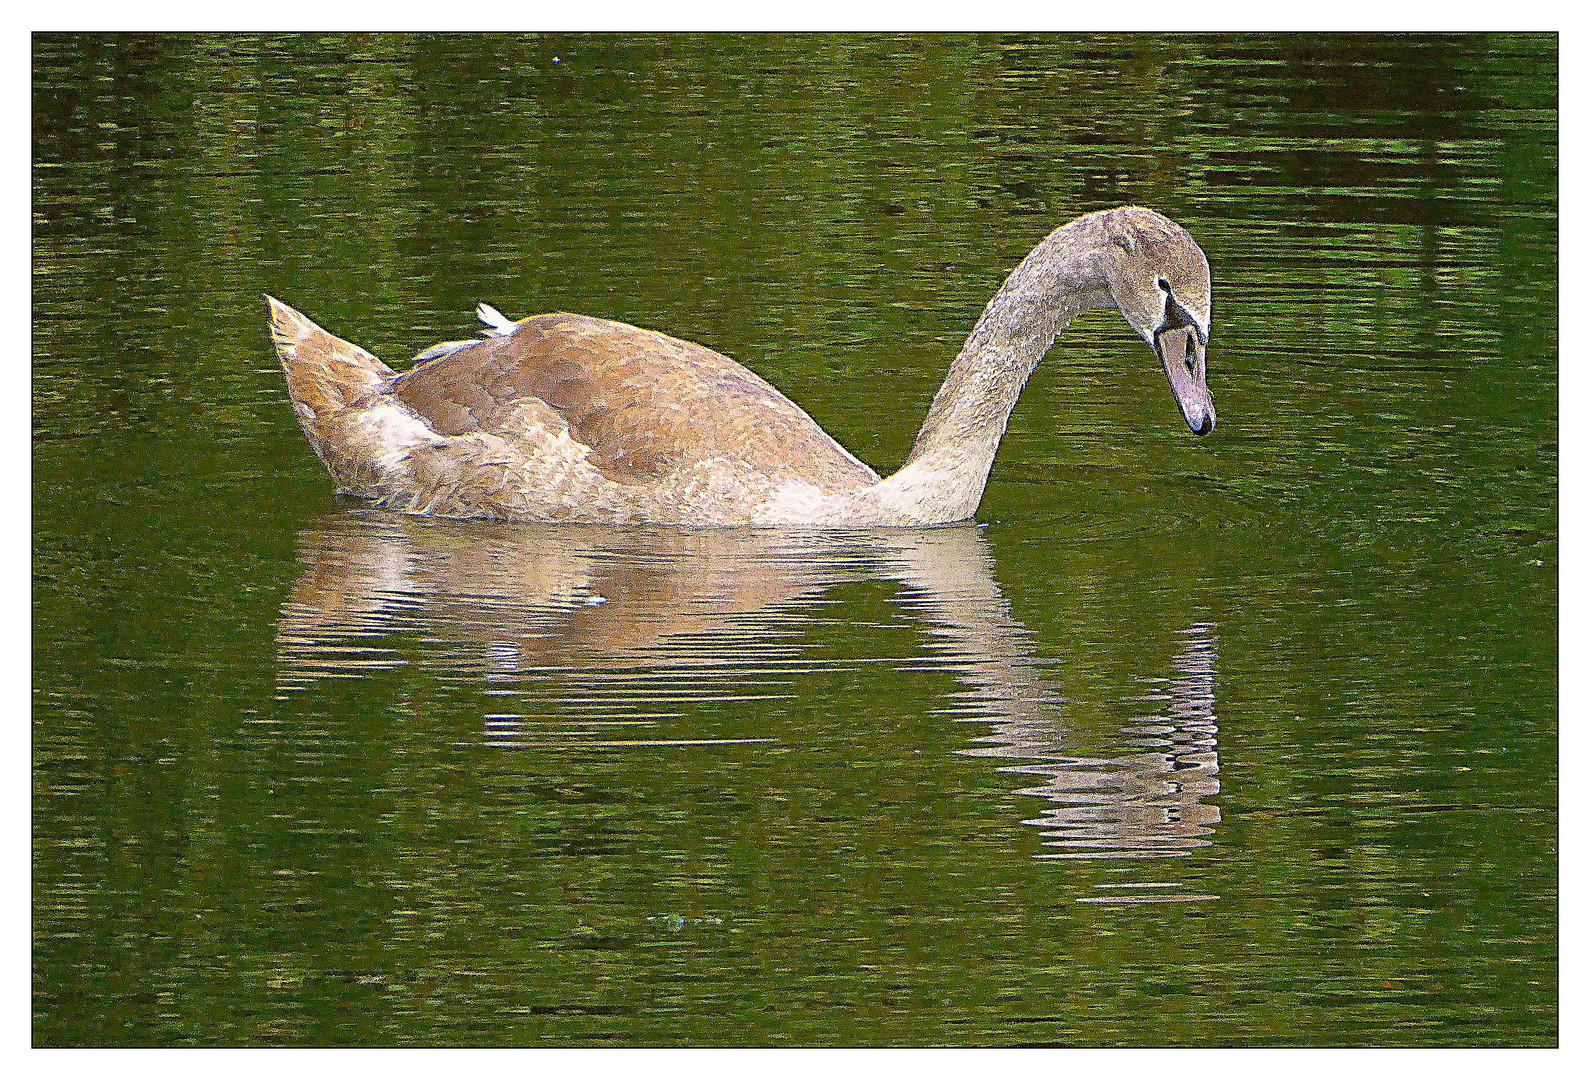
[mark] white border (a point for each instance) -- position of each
(1574, 396)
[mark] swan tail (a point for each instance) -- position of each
(341, 395)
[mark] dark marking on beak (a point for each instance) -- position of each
(1177, 317)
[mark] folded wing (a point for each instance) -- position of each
(646, 404)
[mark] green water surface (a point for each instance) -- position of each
(1247, 739)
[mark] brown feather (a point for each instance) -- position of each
(645, 403)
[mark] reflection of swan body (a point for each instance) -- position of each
(527, 597)
(524, 597)
(569, 418)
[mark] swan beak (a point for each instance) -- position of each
(1182, 355)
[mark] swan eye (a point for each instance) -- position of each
(1164, 285)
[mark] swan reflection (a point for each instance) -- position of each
(632, 625)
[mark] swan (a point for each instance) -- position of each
(566, 417)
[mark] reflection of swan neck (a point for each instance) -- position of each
(1062, 277)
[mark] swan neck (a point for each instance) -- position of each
(948, 467)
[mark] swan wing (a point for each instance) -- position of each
(645, 404)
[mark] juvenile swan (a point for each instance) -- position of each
(570, 418)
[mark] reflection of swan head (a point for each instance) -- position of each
(1148, 801)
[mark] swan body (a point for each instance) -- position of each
(571, 418)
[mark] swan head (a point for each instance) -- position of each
(1159, 278)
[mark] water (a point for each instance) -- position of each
(1198, 742)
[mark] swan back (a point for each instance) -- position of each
(645, 404)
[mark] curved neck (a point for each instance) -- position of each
(943, 478)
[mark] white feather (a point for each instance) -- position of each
(498, 324)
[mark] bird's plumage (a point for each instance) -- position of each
(566, 417)
(645, 404)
